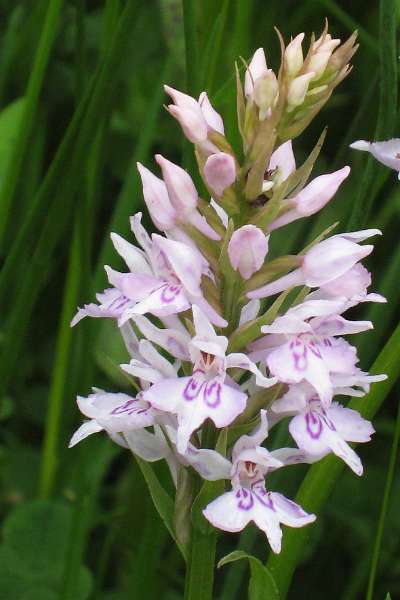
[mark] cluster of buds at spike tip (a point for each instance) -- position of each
(209, 351)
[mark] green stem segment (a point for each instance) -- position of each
(200, 571)
(35, 84)
(384, 508)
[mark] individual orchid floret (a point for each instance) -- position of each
(256, 69)
(322, 50)
(197, 118)
(165, 278)
(281, 166)
(318, 430)
(323, 263)
(266, 90)
(183, 197)
(206, 393)
(293, 56)
(311, 198)
(220, 172)
(155, 195)
(352, 285)
(303, 345)
(387, 152)
(297, 90)
(114, 413)
(247, 250)
(249, 501)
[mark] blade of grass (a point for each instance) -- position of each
(322, 477)
(191, 45)
(215, 42)
(351, 24)
(384, 508)
(54, 226)
(387, 113)
(130, 197)
(34, 87)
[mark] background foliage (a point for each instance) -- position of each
(81, 100)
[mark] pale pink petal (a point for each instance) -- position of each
(169, 299)
(175, 342)
(213, 119)
(206, 340)
(242, 361)
(228, 512)
(249, 311)
(210, 311)
(187, 264)
(134, 286)
(181, 190)
(148, 446)
(116, 412)
(283, 159)
(318, 192)
(88, 428)
(220, 172)
(350, 424)
(135, 259)
(247, 250)
(387, 152)
(257, 68)
(157, 201)
(331, 259)
(289, 513)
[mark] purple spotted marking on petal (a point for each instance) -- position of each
(299, 353)
(314, 425)
(129, 407)
(246, 500)
(119, 303)
(194, 386)
(212, 394)
(170, 292)
(314, 349)
(264, 497)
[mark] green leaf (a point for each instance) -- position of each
(262, 585)
(162, 501)
(10, 118)
(35, 539)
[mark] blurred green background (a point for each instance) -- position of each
(81, 101)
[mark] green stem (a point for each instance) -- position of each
(32, 94)
(200, 570)
(191, 45)
(384, 508)
(60, 372)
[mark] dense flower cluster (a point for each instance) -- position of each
(211, 358)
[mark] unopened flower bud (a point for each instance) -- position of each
(220, 172)
(181, 190)
(298, 89)
(318, 63)
(265, 91)
(247, 250)
(212, 117)
(323, 263)
(184, 197)
(157, 200)
(257, 68)
(311, 198)
(293, 57)
(187, 111)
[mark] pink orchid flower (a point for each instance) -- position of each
(249, 500)
(206, 393)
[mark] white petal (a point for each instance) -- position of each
(84, 431)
